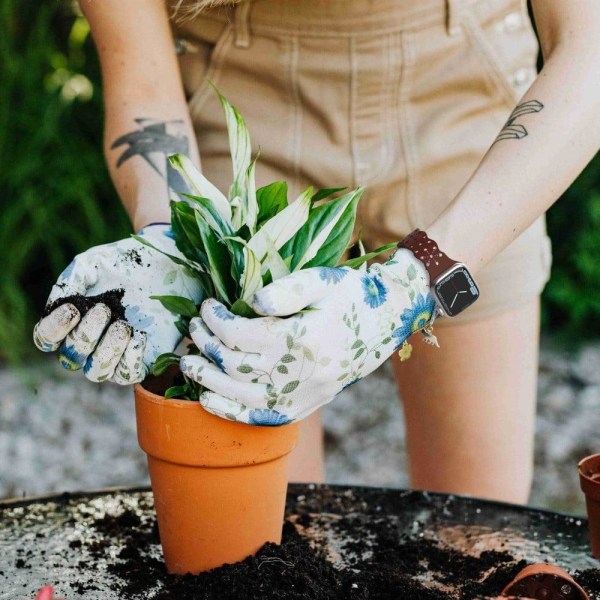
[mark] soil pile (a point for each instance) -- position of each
(394, 567)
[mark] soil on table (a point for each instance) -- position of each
(298, 569)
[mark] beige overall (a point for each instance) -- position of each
(401, 96)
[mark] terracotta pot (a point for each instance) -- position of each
(219, 486)
(589, 479)
(544, 582)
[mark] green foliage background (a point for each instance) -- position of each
(57, 199)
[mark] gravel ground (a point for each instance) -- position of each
(61, 433)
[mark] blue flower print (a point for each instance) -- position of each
(332, 274)
(222, 313)
(136, 319)
(70, 359)
(67, 272)
(212, 352)
(414, 318)
(375, 290)
(267, 417)
(352, 382)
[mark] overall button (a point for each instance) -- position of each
(511, 22)
(522, 76)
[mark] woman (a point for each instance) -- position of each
(435, 106)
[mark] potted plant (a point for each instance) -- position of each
(219, 485)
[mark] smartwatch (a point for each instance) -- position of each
(452, 285)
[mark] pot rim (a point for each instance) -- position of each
(589, 486)
(546, 569)
(183, 432)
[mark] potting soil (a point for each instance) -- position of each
(346, 543)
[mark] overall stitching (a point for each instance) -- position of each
(483, 50)
(407, 128)
(242, 24)
(453, 8)
(213, 71)
(352, 116)
(370, 168)
(296, 108)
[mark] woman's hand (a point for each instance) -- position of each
(272, 370)
(104, 320)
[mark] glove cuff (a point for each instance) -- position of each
(151, 225)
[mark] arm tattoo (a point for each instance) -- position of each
(155, 141)
(516, 131)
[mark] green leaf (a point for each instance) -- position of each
(288, 358)
(176, 390)
(289, 341)
(243, 309)
(325, 193)
(323, 227)
(245, 369)
(358, 353)
(290, 387)
(199, 185)
(357, 344)
(185, 232)
(164, 361)
(332, 249)
(230, 416)
(183, 326)
(343, 376)
(282, 369)
(219, 261)
(359, 260)
(178, 305)
(175, 259)
(271, 200)
(271, 403)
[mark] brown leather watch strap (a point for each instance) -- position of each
(427, 251)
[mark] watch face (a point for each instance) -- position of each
(456, 291)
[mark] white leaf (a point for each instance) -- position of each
(199, 185)
(274, 262)
(239, 145)
(251, 278)
(251, 203)
(282, 226)
(362, 252)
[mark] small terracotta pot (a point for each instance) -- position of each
(544, 582)
(589, 479)
(219, 486)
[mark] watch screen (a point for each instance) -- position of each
(456, 291)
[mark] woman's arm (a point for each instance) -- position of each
(146, 114)
(550, 137)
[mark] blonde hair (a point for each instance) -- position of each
(182, 10)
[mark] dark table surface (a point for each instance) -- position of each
(42, 540)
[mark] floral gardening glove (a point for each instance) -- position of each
(100, 316)
(271, 371)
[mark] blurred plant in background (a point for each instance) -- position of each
(57, 198)
(56, 195)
